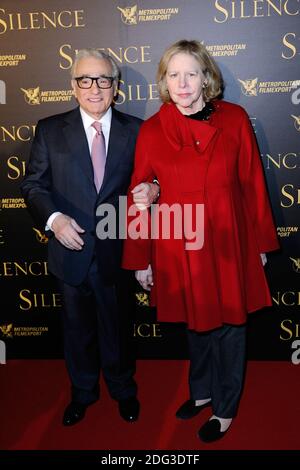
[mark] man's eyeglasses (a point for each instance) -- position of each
(87, 82)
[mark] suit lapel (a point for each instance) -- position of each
(76, 139)
(118, 139)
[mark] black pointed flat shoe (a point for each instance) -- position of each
(129, 409)
(74, 413)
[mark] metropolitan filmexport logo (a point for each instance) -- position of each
(142, 299)
(296, 264)
(7, 330)
(12, 203)
(285, 232)
(11, 60)
(249, 87)
(35, 96)
(296, 122)
(32, 95)
(131, 15)
(253, 87)
(41, 237)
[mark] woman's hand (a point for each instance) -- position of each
(145, 277)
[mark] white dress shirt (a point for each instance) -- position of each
(105, 122)
(90, 132)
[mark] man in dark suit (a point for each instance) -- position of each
(61, 194)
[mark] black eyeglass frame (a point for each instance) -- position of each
(95, 79)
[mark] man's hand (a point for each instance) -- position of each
(145, 278)
(66, 231)
(144, 194)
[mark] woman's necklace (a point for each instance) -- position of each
(204, 114)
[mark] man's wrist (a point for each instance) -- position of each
(51, 220)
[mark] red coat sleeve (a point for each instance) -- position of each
(137, 252)
(254, 190)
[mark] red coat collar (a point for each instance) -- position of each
(183, 132)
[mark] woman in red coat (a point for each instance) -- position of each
(204, 154)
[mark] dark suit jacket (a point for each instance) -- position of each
(60, 178)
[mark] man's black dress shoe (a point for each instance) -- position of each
(129, 409)
(73, 413)
(189, 409)
(211, 431)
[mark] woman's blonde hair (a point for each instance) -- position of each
(209, 68)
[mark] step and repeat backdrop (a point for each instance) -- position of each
(256, 43)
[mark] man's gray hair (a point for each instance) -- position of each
(83, 53)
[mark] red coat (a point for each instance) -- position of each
(216, 163)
